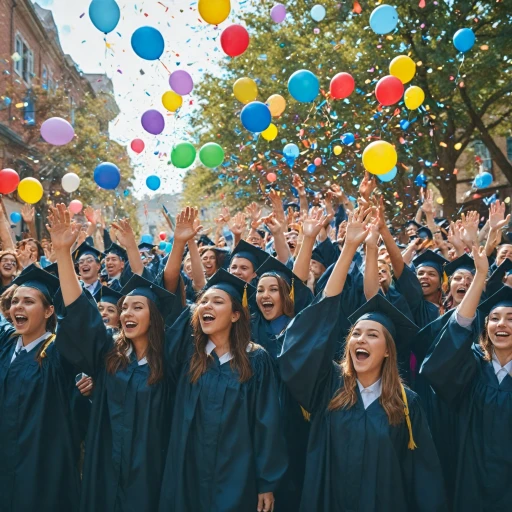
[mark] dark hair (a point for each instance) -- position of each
(284, 293)
(40, 250)
(220, 256)
(117, 359)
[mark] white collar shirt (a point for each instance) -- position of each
(501, 371)
(371, 393)
(28, 348)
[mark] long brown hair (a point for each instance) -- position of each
(239, 337)
(117, 360)
(391, 396)
(485, 342)
(284, 293)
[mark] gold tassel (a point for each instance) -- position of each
(47, 343)
(445, 281)
(245, 302)
(412, 444)
(306, 414)
(292, 292)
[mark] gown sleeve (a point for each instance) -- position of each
(450, 365)
(309, 346)
(178, 344)
(6, 330)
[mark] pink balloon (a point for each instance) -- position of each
(181, 82)
(278, 13)
(317, 161)
(137, 145)
(271, 177)
(57, 131)
(75, 206)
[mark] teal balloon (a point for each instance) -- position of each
(483, 180)
(148, 43)
(304, 86)
(147, 239)
(183, 155)
(389, 176)
(211, 155)
(383, 19)
(105, 15)
(15, 217)
(291, 150)
(464, 39)
(153, 182)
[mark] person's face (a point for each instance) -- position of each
(146, 257)
(291, 239)
(28, 313)
(411, 230)
(45, 243)
(187, 267)
(499, 328)
(507, 280)
(316, 268)
(243, 269)
(384, 275)
(32, 246)
(452, 253)
(255, 239)
(367, 347)
(26, 254)
(109, 314)
(429, 280)
(215, 311)
(504, 251)
(459, 285)
(269, 299)
(383, 253)
(88, 267)
(209, 263)
(114, 265)
(135, 316)
(8, 266)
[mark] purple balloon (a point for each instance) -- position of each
(153, 122)
(278, 13)
(57, 131)
(181, 82)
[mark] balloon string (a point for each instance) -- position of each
(458, 71)
(166, 68)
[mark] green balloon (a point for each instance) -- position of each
(183, 155)
(211, 155)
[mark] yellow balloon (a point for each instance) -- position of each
(214, 11)
(245, 90)
(379, 157)
(403, 67)
(30, 190)
(414, 97)
(276, 104)
(270, 133)
(172, 101)
(337, 150)
(439, 200)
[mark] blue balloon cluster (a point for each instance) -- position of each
(304, 86)
(148, 43)
(464, 39)
(104, 14)
(256, 117)
(383, 19)
(107, 176)
(483, 180)
(153, 182)
(348, 139)
(15, 217)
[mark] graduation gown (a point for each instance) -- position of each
(457, 370)
(130, 421)
(39, 448)
(226, 442)
(356, 461)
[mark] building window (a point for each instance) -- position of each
(483, 154)
(24, 65)
(29, 111)
(44, 78)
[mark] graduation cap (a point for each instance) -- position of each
(87, 249)
(463, 262)
(34, 277)
(413, 223)
(504, 269)
(204, 240)
(430, 259)
(425, 233)
(250, 252)
(118, 251)
(316, 255)
(442, 222)
(144, 246)
(106, 294)
(138, 285)
(52, 269)
(232, 285)
(502, 298)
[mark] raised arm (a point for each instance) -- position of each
(497, 221)
(301, 189)
(395, 255)
(126, 238)
(283, 253)
(371, 267)
(198, 279)
(28, 213)
(467, 308)
(237, 227)
(5, 229)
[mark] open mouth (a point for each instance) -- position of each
(130, 325)
(502, 334)
(20, 320)
(362, 354)
(267, 306)
(425, 285)
(461, 290)
(208, 318)
(86, 268)
(105, 319)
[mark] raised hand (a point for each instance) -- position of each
(277, 205)
(428, 204)
(342, 231)
(367, 186)
(299, 185)
(313, 223)
(338, 192)
(237, 225)
(357, 226)
(124, 233)
(469, 232)
(223, 217)
(273, 224)
(185, 229)
(497, 216)
(254, 213)
(28, 213)
(63, 231)
(90, 215)
(454, 236)
(372, 238)
(481, 260)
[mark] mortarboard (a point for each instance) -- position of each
(412, 222)
(463, 262)
(118, 251)
(430, 259)
(34, 277)
(502, 270)
(106, 294)
(52, 269)
(502, 298)
(250, 252)
(144, 246)
(87, 249)
(138, 285)
(425, 233)
(232, 285)
(316, 255)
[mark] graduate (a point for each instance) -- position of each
(245, 260)
(108, 301)
(115, 261)
(460, 273)
(39, 448)
(132, 406)
(88, 260)
(9, 266)
(369, 446)
(470, 366)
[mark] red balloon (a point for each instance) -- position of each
(342, 86)
(9, 180)
(271, 177)
(162, 235)
(389, 90)
(234, 40)
(138, 145)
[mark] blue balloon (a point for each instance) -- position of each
(383, 19)
(148, 43)
(420, 180)
(304, 86)
(311, 168)
(388, 176)
(464, 39)
(256, 117)
(146, 239)
(104, 15)
(15, 217)
(404, 124)
(153, 182)
(483, 180)
(168, 247)
(318, 12)
(348, 139)
(162, 245)
(107, 176)
(291, 151)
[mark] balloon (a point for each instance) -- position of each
(270, 133)
(148, 43)
(464, 39)
(256, 117)
(245, 90)
(30, 190)
(342, 86)
(389, 90)
(168, 248)
(483, 180)
(183, 155)
(379, 157)
(162, 246)
(291, 151)
(234, 40)
(181, 82)
(348, 139)
(337, 150)
(271, 177)
(162, 235)
(137, 145)
(278, 13)
(383, 19)
(420, 180)
(70, 182)
(172, 101)
(389, 175)
(318, 161)
(9, 180)
(211, 155)
(107, 176)
(57, 131)
(153, 182)
(403, 67)
(214, 11)
(104, 15)
(318, 12)
(304, 86)
(153, 122)
(276, 104)
(15, 217)
(75, 206)
(414, 97)
(311, 168)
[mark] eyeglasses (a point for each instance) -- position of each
(9, 262)
(86, 261)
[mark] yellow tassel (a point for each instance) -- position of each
(306, 414)
(412, 444)
(245, 302)
(445, 281)
(47, 343)
(292, 291)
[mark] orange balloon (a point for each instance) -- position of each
(276, 104)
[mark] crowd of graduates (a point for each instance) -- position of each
(315, 359)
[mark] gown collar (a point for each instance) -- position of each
(210, 347)
(501, 371)
(278, 325)
(371, 393)
(140, 362)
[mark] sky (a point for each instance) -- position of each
(190, 44)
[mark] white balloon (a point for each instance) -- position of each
(70, 182)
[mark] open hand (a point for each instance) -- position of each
(63, 231)
(185, 229)
(124, 233)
